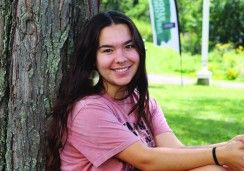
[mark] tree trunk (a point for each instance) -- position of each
(37, 39)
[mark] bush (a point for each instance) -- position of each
(215, 68)
(232, 74)
(190, 42)
(225, 62)
(240, 50)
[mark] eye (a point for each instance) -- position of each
(107, 50)
(130, 46)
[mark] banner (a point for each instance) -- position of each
(164, 21)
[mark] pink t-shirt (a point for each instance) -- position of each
(99, 127)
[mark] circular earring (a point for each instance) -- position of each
(95, 77)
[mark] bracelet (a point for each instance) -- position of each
(215, 157)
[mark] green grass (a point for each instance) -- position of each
(200, 114)
(166, 61)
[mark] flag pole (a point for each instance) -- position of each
(204, 75)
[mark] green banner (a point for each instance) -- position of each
(161, 13)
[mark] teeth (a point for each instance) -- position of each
(121, 69)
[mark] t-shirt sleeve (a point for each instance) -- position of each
(159, 122)
(96, 132)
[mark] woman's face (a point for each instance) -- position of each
(117, 58)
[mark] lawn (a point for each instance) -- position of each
(201, 114)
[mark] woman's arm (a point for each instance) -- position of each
(181, 158)
(170, 140)
(165, 158)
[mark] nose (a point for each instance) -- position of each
(120, 57)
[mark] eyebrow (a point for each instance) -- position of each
(109, 46)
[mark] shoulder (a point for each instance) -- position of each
(91, 110)
(153, 105)
(92, 103)
(90, 100)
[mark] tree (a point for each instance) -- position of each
(37, 39)
(227, 22)
(190, 21)
(136, 9)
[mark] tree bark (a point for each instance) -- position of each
(36, 41)
(5, 22)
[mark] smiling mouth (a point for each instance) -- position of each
(121, 69)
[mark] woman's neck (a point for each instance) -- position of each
(116, 93)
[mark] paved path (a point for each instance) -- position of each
(162, 79)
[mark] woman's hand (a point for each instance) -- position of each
(238, 138)
(232, 154)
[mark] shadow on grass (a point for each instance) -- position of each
(194, 131)
(224, 105)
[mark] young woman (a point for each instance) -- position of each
(113, 124)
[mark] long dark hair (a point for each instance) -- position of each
(78, 83)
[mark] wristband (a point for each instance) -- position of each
(215, 157)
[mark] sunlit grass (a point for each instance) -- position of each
(202, 114)
(167, 61)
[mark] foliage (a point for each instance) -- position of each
(138, 9)
(193, 112)
(190, 21)
(225, 62)
(190, 42)
(145, 29)
(232, 73)
(227, 22)
(190, 15)
(111, 5)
